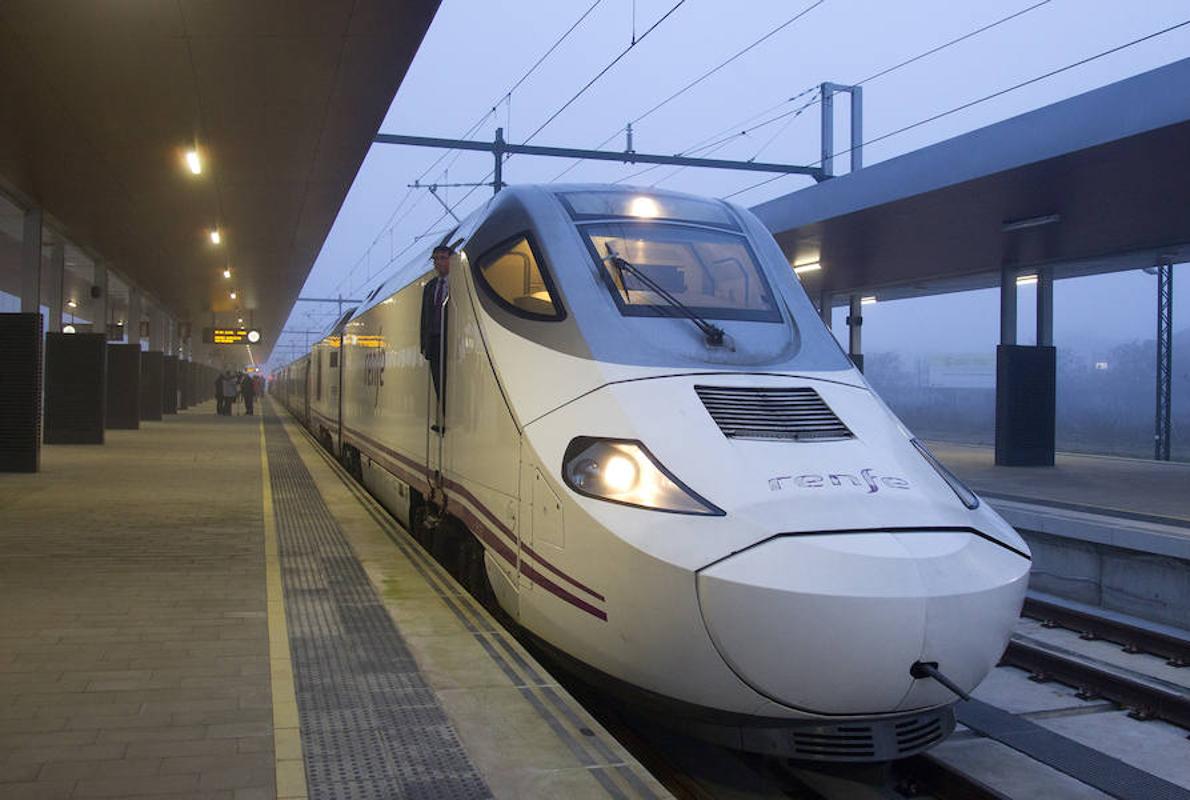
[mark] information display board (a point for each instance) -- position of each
(231, 335)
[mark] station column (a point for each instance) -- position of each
(31, 262)
(102, 305)
(1026, 378)
(56, 282)
(855, 321)
(20, 361)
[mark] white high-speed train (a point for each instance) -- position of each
(656, 459)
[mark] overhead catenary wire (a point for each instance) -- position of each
(722, 137)
(687, 87)
(506, 97)
(985, 98)
(636, 41)
(735, 131)
(657, 107)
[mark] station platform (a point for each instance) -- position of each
(1128, 488)
(208, 607)
(1104, 531)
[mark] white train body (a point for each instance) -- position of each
(810, 554)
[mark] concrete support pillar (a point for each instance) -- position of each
(132, 324)
(825, 299)
(855, 321)
(56, 280)
(1008, 306)
(102, 306)
(31, 262)
(156, 330)
(1045, 307)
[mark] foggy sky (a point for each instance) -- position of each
(475, 50)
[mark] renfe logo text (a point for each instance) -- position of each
(867, 480)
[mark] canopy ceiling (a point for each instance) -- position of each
(100, 100)
(1095, 183)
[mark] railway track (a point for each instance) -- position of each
(1145, 696)
(1134, 635)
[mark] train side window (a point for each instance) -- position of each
(513, 275)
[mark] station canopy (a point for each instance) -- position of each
(101, 100)
(1095, 183)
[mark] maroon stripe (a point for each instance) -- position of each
(487, 534)
(508, 532)
(398, 470)
(381, 447)
(553, 588)
(561, 574)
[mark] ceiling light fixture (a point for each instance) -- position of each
(810, 266)
(233, 295)
(216, 237)
(1029, 222)
(867, 301)
(72, 304)
(1026, 280)
(193, 161)
(227, 273)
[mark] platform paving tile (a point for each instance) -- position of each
(133, 640)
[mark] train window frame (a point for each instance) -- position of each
(775, 316)
(502, 247)
(727, 223)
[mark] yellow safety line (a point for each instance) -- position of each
(287, 740)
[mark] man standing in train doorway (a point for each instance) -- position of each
(433, 316)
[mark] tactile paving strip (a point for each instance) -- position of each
(371, 727)
(1092, 767)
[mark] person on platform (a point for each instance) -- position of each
(230, 390)
(433, 315)
(219, 393)
(248, 392)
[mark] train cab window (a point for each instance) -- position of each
(513, 275)
(712, 272)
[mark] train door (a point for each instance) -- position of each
(306, 390)
(436, 316)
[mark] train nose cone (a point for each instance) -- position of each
(832, 623)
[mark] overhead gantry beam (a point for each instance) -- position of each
(500, 148)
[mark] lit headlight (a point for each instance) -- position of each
(625, 472)
(967, 496)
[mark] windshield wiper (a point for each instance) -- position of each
(712, 332)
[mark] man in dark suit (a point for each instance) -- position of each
(433, 314)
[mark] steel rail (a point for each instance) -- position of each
(1146, 697)
(1136, 636)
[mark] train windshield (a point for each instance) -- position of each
(712, 272)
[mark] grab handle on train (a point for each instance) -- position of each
(929, 669)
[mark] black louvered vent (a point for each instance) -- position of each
(854, 742)
(914, 735)
(877, 740)
(793, 414)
